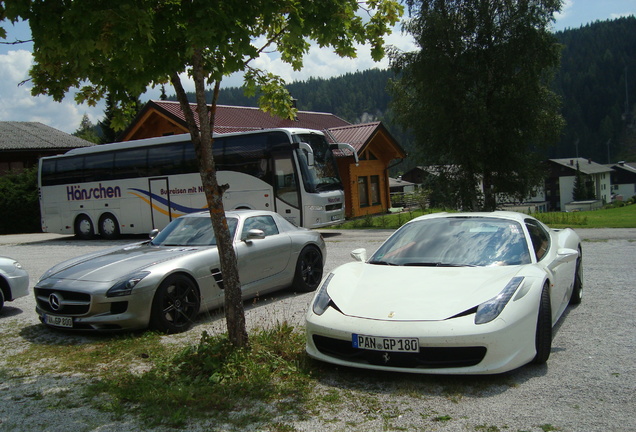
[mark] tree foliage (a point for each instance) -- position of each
(475, 95)
(583, 188)
(87, 130)
(121, 47)
(597, 83)
(592, 82)
(108, 133)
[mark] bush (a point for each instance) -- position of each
(19, 204)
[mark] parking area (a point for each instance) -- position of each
(587, 385)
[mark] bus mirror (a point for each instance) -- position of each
(345, 146)
(309, 152)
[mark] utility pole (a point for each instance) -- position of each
(576, 145)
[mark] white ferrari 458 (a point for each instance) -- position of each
(461, 293)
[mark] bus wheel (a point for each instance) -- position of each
(108, 227)
(84, 228)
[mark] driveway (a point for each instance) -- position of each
(587, 385)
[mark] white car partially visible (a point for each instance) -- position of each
(14, 280)
(461, 293)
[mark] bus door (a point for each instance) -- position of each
(286, 187)
(160, 211)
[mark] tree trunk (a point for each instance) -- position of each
(203, 142)
(490, 200)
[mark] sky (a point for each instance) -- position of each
(17, 103)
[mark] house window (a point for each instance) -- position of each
(375, 190)
(363, 191)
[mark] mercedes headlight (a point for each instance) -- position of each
(125, 286)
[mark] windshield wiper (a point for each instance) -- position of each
(383, 263)
(327, 186)
(437, 264)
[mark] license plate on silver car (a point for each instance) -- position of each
(58, 321)
(378, 343)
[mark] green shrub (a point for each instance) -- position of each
(19, 204)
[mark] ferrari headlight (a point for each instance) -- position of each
(321, 303)
(125, 286)
(491, 309)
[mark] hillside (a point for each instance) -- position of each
(598, 101)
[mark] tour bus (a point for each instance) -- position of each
(135, 186)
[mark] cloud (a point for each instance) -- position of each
(17, 103)
(324, 63)
(566, 10)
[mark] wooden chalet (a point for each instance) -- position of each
(366, 185)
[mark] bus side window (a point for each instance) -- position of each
(99, 166)
(165, 160)
(69, 170)
(190, 162)
(131, 163)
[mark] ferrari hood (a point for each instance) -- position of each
(116, 263)
(414, 293)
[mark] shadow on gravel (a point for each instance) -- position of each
(268, 300)
(40, 334)
(10, 311)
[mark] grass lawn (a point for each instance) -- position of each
(619, 217)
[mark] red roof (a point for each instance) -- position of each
(241, 119)
(238, 119)
(356, 135)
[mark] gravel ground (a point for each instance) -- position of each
(587, 385)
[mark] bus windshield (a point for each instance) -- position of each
(323, 174)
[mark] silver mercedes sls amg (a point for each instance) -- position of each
(165, 282)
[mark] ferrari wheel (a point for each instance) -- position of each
(176, 305)
(577, 291)
(308, 269)
(543, 337)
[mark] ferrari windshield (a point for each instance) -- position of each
(190, 231)
(323, 174)
(454, 242)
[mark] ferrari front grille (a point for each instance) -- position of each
(427, 358)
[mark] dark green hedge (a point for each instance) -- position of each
(19, 206)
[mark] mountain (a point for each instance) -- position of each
(596, 82)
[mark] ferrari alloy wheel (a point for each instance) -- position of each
(108, 227)
(176, 305)
(543, 337)
(577, 290)
(308, 269)
(84, 228)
